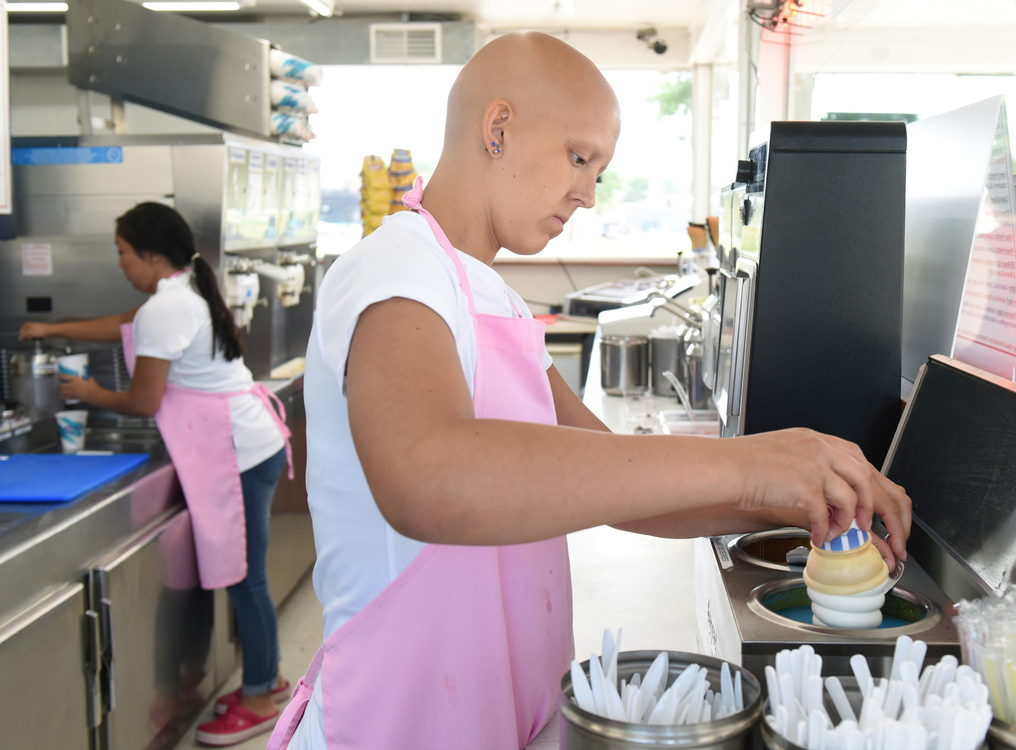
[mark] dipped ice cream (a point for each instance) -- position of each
(846, 580)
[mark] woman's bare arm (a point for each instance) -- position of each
(142, 400)
(105, 330)
(438, 474)
(893, 508)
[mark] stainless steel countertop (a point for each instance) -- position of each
(45, 545)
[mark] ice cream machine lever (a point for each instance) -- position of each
(243, 287)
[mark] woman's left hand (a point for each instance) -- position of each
(73, 387)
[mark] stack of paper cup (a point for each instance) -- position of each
(72, 429)
(73, 364)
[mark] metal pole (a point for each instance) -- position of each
(701, 140)
(747, 78)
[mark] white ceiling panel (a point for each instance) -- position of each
(528, 13)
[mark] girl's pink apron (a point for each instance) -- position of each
(467, 646)
(198, 432)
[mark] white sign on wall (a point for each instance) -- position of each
(37, 259)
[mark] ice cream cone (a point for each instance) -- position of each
(847, 572)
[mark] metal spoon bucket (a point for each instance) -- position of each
(581, 730)
(1001, 735)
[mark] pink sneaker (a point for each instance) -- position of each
(280, 695)
(236, 725)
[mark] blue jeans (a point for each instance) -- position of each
(255, 614)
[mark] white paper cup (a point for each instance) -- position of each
(72, 429)
(73, 364)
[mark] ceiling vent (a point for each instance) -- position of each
(405, 43)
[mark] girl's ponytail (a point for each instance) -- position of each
(224, 333)
(157, 228)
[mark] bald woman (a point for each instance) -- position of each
(447, 458)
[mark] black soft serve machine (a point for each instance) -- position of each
(806, 332)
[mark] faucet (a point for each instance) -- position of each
(666, 303)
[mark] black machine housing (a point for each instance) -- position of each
(810, 325)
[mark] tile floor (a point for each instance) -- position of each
(642, 584)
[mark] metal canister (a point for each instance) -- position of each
(666, 352)
(774, 741)
(1001, 735)
(581, 730)
(624, 365)
(33, 381)
(698, 393)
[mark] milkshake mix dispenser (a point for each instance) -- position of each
(808, 329)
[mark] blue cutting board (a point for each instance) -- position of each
(55, 477)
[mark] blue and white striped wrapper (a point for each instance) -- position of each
(853, 539)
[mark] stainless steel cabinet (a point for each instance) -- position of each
(156, 626)
(42, 683)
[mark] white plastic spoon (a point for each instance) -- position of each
(835, 688)
(596, 683)
(686, 680)
(859, 666)
(580, 688)
(615, 709)
(726, 685)
(773, 686)
(900, 654)
(917, 654)
(654, 675)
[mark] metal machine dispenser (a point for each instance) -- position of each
(952, 452)
(807, 333)
(808, 330)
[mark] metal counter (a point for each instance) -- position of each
(106, 638)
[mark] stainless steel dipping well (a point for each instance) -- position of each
(741, 586)
(952, 452)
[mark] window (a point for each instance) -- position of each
(922, 95)
(372, 109)
(643, 202)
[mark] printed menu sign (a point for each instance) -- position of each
(986, 326)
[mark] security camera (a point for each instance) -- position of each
(649, 36)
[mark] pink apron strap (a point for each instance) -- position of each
(412, 200)
(268, 398)
(285, 728)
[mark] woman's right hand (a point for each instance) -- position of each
(806, 471)
(33, 330)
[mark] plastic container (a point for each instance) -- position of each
(72, 429)
(581, 730)
(73, 364)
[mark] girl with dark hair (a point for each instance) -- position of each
(227, 442)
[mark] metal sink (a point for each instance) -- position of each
(100, 436)
(113, 439)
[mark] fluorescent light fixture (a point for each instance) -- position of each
(321, 7)
(36, 7)
(191, 7)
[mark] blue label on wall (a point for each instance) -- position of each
(23, 157)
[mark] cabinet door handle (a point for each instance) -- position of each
(93, 667)
(108, 691)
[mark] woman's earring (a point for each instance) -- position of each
(497, 147)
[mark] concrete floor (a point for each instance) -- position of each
(642, 584)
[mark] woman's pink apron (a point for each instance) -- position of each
(467, 646)
(198, 432)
